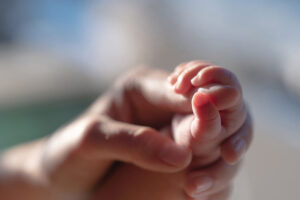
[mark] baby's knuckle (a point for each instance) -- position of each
(235, 95)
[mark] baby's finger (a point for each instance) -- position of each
(228, 101)
(211, 180)
(233, 149)
(173, 77)
(226, 95)
(233, 118)
(222, 96)
(207, 122)
(183, 83)
(215, 74)
(222, 195)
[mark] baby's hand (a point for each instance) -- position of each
(218, 112)
(214, 128)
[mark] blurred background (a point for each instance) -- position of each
(57, 56)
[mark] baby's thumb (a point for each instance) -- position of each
(142, 146)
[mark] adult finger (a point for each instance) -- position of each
(211, 180)
(143, 146)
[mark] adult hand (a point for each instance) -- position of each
(128, 182)
(68, 164)
(117, 127)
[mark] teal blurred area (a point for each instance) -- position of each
(25, 123)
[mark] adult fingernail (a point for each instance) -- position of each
(203, 183)
(175, 155)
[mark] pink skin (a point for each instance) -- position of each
(218, 108)
(218, 113)
(122, 125)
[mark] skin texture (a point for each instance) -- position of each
(122, 125)
(216, 101)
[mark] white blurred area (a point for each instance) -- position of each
(62, 48)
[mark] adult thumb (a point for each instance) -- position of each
(142, 146)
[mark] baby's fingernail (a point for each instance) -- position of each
(195, 81)
(201, 97)
(239, 146)
(177, 87)
(203, 183)
(201, 198)
(171, 79)
(174, 155)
